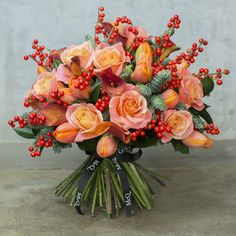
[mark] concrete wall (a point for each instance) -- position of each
(60, 23)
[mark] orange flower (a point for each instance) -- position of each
(106, 146)
(143, 69)
(65, 133)
(197, 139)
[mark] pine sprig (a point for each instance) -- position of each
(157, 103)
(159, 80)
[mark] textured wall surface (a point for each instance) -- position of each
(60, 23)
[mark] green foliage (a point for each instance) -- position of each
(88, 145)
(56, 63)
(207, 85)
(157, 103)
(94, 95)
(157, 82)
(91, 39)
(58, 147)
(25, 132)
(127, 72)
(143, 143)
(198, 122)
(203, 114)
(145, 90)
(179, 146)
(180, 107)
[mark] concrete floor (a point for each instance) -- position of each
(199, 200)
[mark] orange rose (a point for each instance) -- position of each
(85, 117)
(110, 57)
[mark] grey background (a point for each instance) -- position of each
(61, 23)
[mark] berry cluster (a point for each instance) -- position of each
(20, 120)
(40, 56)
(211, 129)
(102, 103)
(157, 125)
(42, 142)
(174, 22)
(36, 119)
(203, 72)
(83, 80)
(163, 42)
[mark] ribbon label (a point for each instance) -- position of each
(94, 165)
(118, 167)
(77, 203)
(128, 199)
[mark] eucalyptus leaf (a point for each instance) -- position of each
(94, 95)
(88, 145)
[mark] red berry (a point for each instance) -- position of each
(35, 41)
(101, 8)
(26, 57)
(31, 149)
(219, 82)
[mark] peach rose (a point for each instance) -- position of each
(110, 56)
(83, 51)
(44, 85)
(85, 117)
(181, 124)
(191, 92)
(197, 139)
(129, 110)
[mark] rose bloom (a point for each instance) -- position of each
(129, 110)
(190, 91)
(181, 124)
(85, 117)
(110, 56)
(45, 84)
(84, 51)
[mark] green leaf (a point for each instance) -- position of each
(25, 132)
(88, 145)
(90, 38)
(145, 142)
(94, 95)
(179, 146)
(207, 85)
(56, 63)
(204, 114)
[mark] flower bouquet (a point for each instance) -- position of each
(114, 94)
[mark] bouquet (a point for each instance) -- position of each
(116, 93)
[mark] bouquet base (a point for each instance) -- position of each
(104, 188)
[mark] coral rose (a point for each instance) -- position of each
(191, 92)
(181, 124)
(85, 117)
(129, 110)
(110, 57)
(83, 51)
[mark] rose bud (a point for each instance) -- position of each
(170, 97)
(106, 146)
(143, 69)
(65, 133)
(197, 139)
